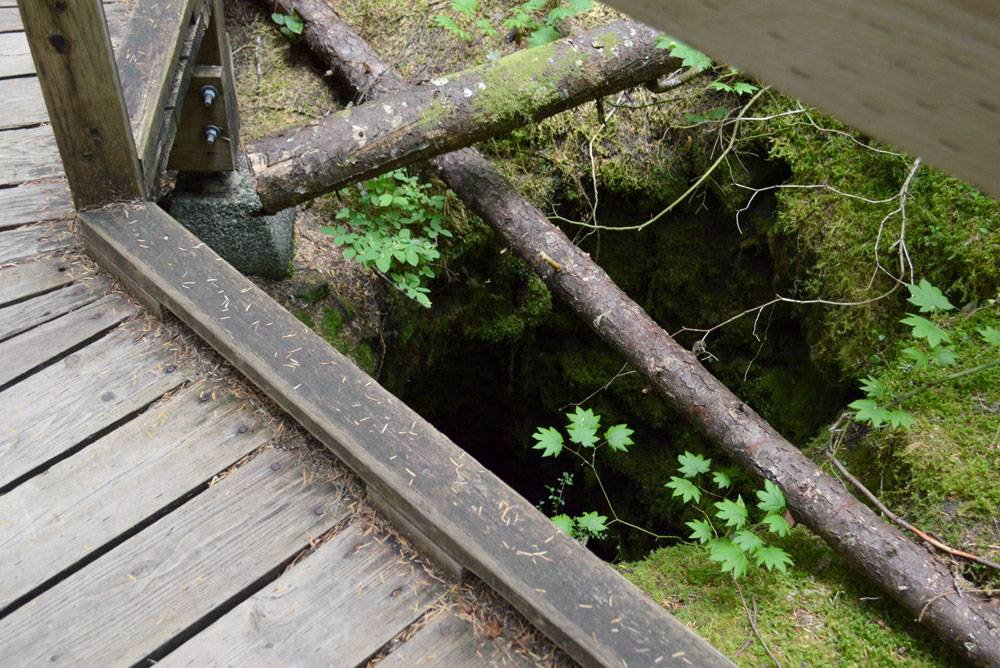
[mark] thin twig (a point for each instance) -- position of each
(953, 376)
(903, 523)
(753, 624)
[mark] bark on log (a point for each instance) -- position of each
(905, 571)
(449, 113)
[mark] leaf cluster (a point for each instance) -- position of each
(395, 229)
(732, 541)
(529, 18)
(291, 24)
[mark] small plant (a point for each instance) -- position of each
(291, 24)
(395, 230)
(528, 18)
(583, 432)
(732, 540)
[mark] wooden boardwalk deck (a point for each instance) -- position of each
(151, 509)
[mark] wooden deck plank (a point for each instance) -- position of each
(15, 56)
(349, 598)
(29, 242)
(26, 106)
(53, 520)
(63, 404)
(34, 202)
(31, 278)
(36, 346)
(28, 154)
(450, 642)
(157, 584)
(568, 593)
(24, 315)
(10, 20)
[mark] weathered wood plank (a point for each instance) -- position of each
(26, 104)
(567, 592)
(116, 11)
(63, 404)
(36, 346)
(15, 56)
(10, 20)
(34, 202)
(52, 521)
(32, 278)
(339, 605)
(913, 87)
(152, 587)
(146, 62)
(450, 642)
(29, 242)
(23, 316)
(72, 50)
(27, 154)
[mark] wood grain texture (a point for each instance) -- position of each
(53, 520)
(581, 603)
(155, 585)
(32, 278)
(28, 154)
(37, 346)
(29, 242)
(24, 315)
(10, 20)
(15, 56)
(450, 642)
(62, 405)
(337, 606)
(72, 51)
(146, 62)
(26, 104)
(34, 202)
(918, 74)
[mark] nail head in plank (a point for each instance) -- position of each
(72, 50)
(448, 641)
(34, 202)
(85, 501)
(348, 599)
(27, 314)
(32, 278)
(65, 403)
(36, 346)
(568, 593)
(154, 586)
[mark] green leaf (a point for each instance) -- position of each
(701, 531)
(920, 360)
(990, 335)
(549, 441)
(777, 524)
(945, 356)
(748, 541)
(584, 417)
(770, 499)
(543, 35)
(566, 523)
(772, 558)
(872, 387)
(722, 479)
(744, 88)
(693, 119)
(383, 262)
(294, 24)
(721, 85)
(326, 229)
(278, 18)
(619, 437)
(925, 329)
(868, 410)
(733, 512)
(592, 523)
(581, 6)
(729, 556)
(717, 114)
(928, 297)
(689, 56)
(560, 13)
(899, 418)
(583, 435)
(692, 465)
(684, 488)
(465, 6)
(385, 199)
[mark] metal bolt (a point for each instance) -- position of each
(208, 94)
(212, 132)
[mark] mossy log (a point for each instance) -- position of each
(452, 112)
(905, 571)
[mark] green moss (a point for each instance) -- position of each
(365, 358)
(305, 318)
(811, 616)
(333, 322)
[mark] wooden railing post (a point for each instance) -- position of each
(71, 48)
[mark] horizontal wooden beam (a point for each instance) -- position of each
(920, 75)
(586, 607)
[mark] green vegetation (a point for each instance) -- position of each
(538, 19)
(291, 24)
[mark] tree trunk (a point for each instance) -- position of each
(452, 112)
(905, 571)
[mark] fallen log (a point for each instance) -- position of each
(905, 571)
(448, 113)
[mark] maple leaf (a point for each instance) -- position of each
(729, 556)
(733, 512)
(777, 524)
(692, 465)
(928, 297)
(684, 488)
(771, 500)
(772, 558)
(701, 531)
(925, 329)
(619, 437)
(550, 441)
